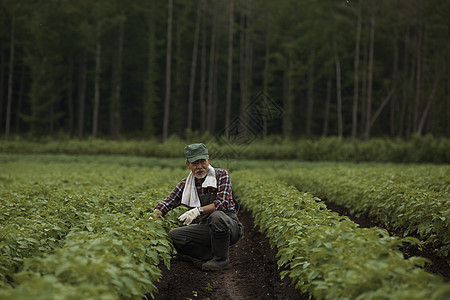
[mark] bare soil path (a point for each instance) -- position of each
(253, 273)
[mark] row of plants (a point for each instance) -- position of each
(327, 255)
(418, 149)
(79, 229)
(411, 199)
(66, 219)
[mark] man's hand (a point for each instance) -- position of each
(189, 216)
(156, 214)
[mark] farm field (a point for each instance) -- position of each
(328, 255)
(78, 225)
(411, 199)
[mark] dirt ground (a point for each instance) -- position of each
(253, 272)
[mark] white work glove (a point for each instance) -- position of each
(189, 216)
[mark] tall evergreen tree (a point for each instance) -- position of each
(165, 130)
(77, 72)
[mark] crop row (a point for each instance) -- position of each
(81, 230)
(328, 255)
(414, 200)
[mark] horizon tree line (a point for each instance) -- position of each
(149, 68)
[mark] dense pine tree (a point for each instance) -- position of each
(143, 68)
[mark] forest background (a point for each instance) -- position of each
(150, 69)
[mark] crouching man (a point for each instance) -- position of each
(207, 191)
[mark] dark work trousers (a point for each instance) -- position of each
(195, 239)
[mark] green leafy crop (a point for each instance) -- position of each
(412, 198)
(80, 229)
(328, 255)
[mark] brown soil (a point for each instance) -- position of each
(253, 273)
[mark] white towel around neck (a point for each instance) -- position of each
(190, 196)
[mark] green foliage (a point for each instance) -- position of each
(417, 150)
(55, 41)
(80, 228)
(411, 198)
(327, 255)
(77, 227)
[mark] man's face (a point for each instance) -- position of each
(199, 168)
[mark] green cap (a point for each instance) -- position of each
(195, 152)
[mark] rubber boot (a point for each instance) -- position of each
(194, 253)
(220, 242)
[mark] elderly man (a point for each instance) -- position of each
(207, 191)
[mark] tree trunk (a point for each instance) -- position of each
(249, 52)
(151, 95)
(394, 87)
(418, 87)
(203, 77)
(168, 72)
(10, 78)
(409, 128)
(369, 78)
(194, 67)
(212, 53)
(429, 101)
(242, 60)
(327, 109)
(52, 118)
(356, 74)
(20, 98)
(245, 58)
(288, 104)
(2, 78)
(403, 108)
(380, 108)
(310, 104)
(363, 93)
(230, 68)
(425, 112)
(179, 114)
(98, 54)
(448, 96)
(70, 105)
(215, 93)
(338, 90)
(82, 95)
(112, 100)
(117, 86)
(266, 66)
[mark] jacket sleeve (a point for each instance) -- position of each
(224, 200)
(173, 200)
